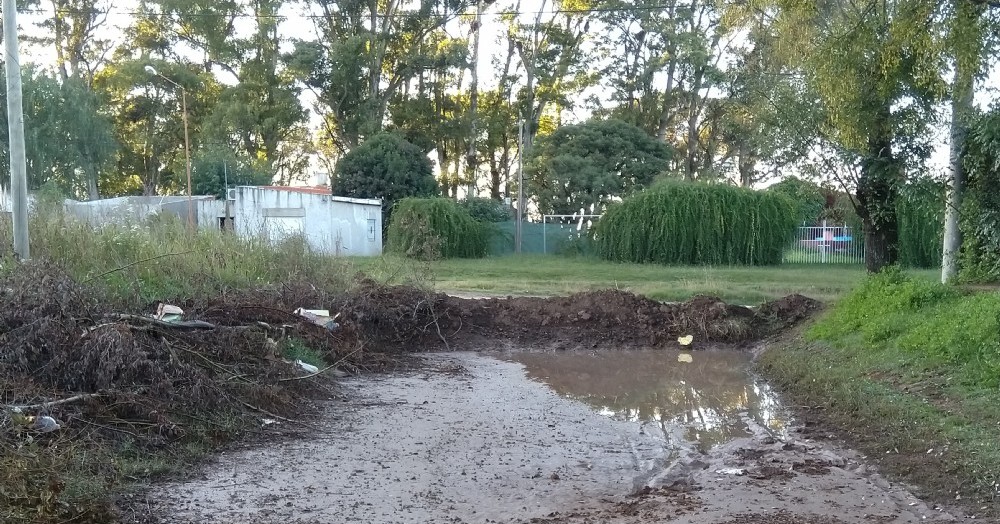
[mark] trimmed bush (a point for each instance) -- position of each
(687, 223)
(429, 228)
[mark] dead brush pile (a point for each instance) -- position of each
(132, 394)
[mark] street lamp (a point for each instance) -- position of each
(187, 144)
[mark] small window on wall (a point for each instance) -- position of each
(371, 229)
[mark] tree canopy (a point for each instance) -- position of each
(387, 167)
(588, 165)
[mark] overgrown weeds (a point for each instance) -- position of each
(164, 260)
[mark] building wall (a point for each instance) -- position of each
(333, 225)
(133, 210)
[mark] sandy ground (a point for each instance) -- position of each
(471, 438)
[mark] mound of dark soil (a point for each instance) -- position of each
(408, 319)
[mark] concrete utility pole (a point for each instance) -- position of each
(474, 102)
(187, 142)
(518, 233)
(15, 127)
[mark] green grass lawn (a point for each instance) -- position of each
(554, 275)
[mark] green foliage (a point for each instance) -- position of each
(920, 209)
(589, 165)
(213, 167)
(386, 167)
(685, 223)
(296, 349)
(807, 196)
(430, 228)
(68, 141)
(981, 207)
(486, 209)
(935, 321)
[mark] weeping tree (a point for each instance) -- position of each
(431, 228)
(694, 223)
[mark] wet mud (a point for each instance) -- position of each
(583, 437)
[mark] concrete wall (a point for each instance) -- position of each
(332, 225)
(137, 209)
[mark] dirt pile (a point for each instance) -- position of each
(407, 319)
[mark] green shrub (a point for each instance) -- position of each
(885, 305)
(920, 211)
(935, 323)
(810, 202)
(428, 228)
(487, 209)
(686, 223)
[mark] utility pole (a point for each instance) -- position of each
(187, 142)
(518, 233)
(15, 127)
(225, 175)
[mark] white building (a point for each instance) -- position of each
(329, 224)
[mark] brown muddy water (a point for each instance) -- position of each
(577, 437)
(705, 397)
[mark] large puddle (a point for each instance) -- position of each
(709, 400)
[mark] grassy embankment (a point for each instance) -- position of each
(907, 371)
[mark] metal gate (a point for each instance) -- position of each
(826, 245)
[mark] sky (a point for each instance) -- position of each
(297, 24)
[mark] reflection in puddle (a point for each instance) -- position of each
(710, 398)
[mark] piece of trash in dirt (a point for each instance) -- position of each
(267, 421)
(732, 471)
(44, 424)
(320, 317)
(685, 357)
(685, 341)
(168, 313)
(308, 367)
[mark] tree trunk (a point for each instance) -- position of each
(668, 99)
(470, 156)
(92, 192)
(961, 105)
(963, 88)
(877, 193)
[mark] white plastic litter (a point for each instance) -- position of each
(308, 367)
(45, 424)
(168, 313)
(320, 317)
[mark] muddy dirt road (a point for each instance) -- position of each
(629, 437)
